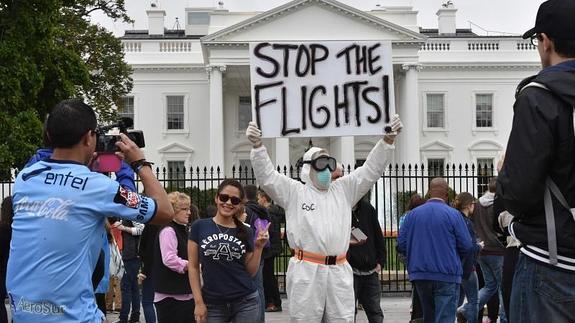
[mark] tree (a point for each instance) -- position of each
(49, 51)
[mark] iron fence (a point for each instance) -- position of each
(389, 196)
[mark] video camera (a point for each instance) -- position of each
(107, 143)
(106, 159)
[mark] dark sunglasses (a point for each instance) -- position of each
(322, 163)
(225, 197)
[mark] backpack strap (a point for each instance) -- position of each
(551, 188)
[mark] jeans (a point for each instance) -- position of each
(259, 280)
(243, 310)
(541, 293)
(493, 303)
(470, 289)
(509, 262)
(368, 292)
(148, 300)
(492, 268)
(130, 291)
(438, 300)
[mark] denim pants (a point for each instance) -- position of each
(492, 269)
(438, 300)
(259, 280)
(148, 300)
(242, 310)
(368, 293)
(541, 293)
(130, 291)
(470, 289)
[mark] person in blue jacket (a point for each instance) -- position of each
(101, 274)
(434, 238)
(465, 204)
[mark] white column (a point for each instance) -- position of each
(216, 116)
(343, 149)
(282, 153)
(408, 141)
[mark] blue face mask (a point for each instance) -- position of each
(324, 178)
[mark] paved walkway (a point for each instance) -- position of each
(396, 311)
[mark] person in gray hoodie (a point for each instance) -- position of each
(491, 255)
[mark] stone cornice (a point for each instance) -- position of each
(511, 66)
(168, 68)
(331, 4)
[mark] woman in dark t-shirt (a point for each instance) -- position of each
(225, 248)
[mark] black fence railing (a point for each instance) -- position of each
(389, 196)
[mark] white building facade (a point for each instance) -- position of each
(454, 90)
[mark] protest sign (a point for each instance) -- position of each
(316, 89)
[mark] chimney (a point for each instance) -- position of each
(446, 18)
(155, 20)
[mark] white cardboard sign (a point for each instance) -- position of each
(318, 89)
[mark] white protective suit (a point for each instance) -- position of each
(320, 222)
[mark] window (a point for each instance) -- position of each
(175, 112)
(176, 173)
(126, 107)
(198, 18)
(244, 112)
(484, 173)
(435, 111)
(435, 167)
(484, 110)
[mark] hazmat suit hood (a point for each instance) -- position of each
(306, 168)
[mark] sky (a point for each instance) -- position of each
(508, 16)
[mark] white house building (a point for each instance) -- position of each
(454, 90)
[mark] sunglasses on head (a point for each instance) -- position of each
(322, 162)
(233, 199)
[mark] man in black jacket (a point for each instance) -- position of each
(277, 217)
(540, 154)
(366, 257)
(255, 211)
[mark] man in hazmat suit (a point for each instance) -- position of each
(318, 221)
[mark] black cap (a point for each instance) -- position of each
(556, 19)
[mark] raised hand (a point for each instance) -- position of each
(254, 134)
(396, 127)
(263, 237)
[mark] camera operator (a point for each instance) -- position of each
(60, 207)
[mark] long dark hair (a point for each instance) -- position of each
(242, 232)
(6, 212)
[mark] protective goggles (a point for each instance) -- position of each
(233, 199)
(322, 162)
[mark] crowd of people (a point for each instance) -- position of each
(75, 243)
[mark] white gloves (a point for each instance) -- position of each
(396, 127)
(505, 219)
(254, 134)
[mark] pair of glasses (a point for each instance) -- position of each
(233, 199)
(322, 162)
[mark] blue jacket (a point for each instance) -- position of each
(471, 258)
(434, 238)
(124, 176)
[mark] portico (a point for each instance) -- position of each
(227, 57)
